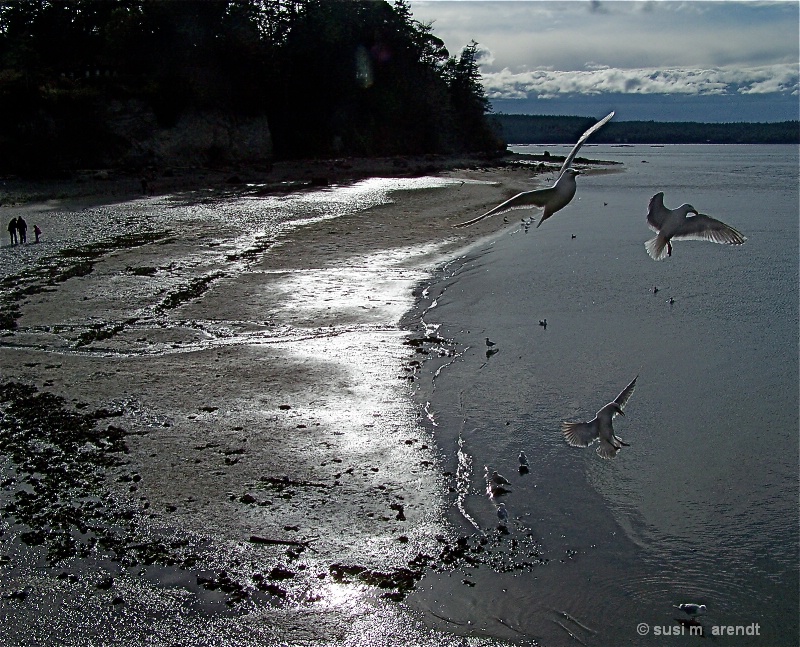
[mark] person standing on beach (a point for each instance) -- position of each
(37, 232)
(12, 231)
(22, 229)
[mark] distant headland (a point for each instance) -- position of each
(537, 129)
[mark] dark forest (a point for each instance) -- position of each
(86, 82)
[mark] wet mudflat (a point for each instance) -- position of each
(206, 424)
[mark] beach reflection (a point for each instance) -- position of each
(265, 396)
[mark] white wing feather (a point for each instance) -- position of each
(568, 162)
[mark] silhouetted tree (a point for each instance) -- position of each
(355, 77)
(469, 100)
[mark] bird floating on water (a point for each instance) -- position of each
(543, 323)
(583, 434)
(672, 224)
(553, 198)
(691, 608)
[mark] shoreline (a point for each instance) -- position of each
(252, 463)
(96, 186)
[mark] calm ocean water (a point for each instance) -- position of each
(703, 506)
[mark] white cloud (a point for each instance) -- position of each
(506, 84)
(578, 36)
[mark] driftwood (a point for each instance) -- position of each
(455, 622)
(280, 483)
(505, 624)
(302, 543)
(571, 635)
(577, 622)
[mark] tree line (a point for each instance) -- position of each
(537, 129)
(330, 77)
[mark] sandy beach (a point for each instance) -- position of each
(199, 442)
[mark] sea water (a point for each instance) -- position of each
(703, 505)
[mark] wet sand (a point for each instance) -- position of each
(244, 455)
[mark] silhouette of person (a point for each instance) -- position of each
(12, 231)
(37, 232)
(22, 229)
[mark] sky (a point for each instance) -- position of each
(659, 60)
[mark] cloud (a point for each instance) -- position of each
(484, 56)
(599, 79)
(566, 35)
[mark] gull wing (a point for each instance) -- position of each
(703, 227)
(656, 212)
(580, 434)
(626, 393)
(568, 162)
(536, 198)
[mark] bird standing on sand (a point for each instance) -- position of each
(502, 514)
(523, 459)
(553, 198)
(692, 609)
(489, 342)
(583, 434)
(499, 479)
(497, 484)
(673, 224)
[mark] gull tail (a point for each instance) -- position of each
(606, 449)
(657, 247)
(544, 217)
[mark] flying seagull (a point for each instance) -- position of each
(673, 224)
(583, 434)
(553, 198)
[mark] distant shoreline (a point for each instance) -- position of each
(527, 129)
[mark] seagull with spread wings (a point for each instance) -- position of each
(672, 224)
(553, 198)
(583, 434)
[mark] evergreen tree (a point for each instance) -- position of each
(332, 77)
